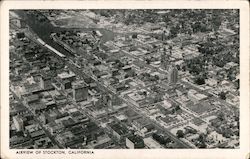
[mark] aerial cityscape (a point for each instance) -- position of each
(124, 79)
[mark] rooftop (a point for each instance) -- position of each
(135, 139)
(66, 74)
(151, 143)
(31, 98)
(119, 129)
(79, 83)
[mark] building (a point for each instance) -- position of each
(44, 142)
(80, 91)
(106, 99)
(18, 22)
(31, 98)
(152, 144)
(45, 82)
(172, 75)
(98, 33)
(35, 131)
(61, 84)
(134, 142)
(195, 96)
(18, 122)
(20, 142)
(55, 128)
(119, 131)
(66, 84)
(38, 107)
(163, 36)
(67, 75)
(18, 109)
(20, 35)
(165, 60)
(140, 123)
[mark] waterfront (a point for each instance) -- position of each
(39, 28)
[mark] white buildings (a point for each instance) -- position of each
(18, 122)
(195, 96)
(151, 143)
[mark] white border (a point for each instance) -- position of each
(122, 153)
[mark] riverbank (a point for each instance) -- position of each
(38, 27)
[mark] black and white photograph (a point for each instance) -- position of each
(99, 78)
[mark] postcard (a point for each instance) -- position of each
(125, 79)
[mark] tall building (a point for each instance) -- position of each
(45, 82)
(163, 36)
(18, 122)
(172, 74)
(106, 101)
(80, 91)
(165, 60)
(65, 79)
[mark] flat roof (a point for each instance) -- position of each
(151, 143)
(135, 139)
(119, 129)
(66, 74)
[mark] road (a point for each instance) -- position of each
(208, 94)
(183, 82)
(134, 107)
(191, 85)
(81, 73)
(88, 114)
(47, 133)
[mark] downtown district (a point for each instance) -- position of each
(124, 79)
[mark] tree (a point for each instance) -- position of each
(157, 99)
(202, 145)
(177, 107)
(200, 80)
(148, 61)
(202, 141)
(178, 67)
(131, 73)
(183, 68)
(216, 21)
(180, 134)
(134, 36)
(156, 77)
(237, 84)
(227, 133)
(161, 139)
(170, 47)
(168, 140)
(222, 95)
(202, 137)
(173, 32)
(221, 116)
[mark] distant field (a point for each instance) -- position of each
(75, 22)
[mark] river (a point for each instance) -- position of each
(44, 28)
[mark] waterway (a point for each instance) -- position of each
(44, 28)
